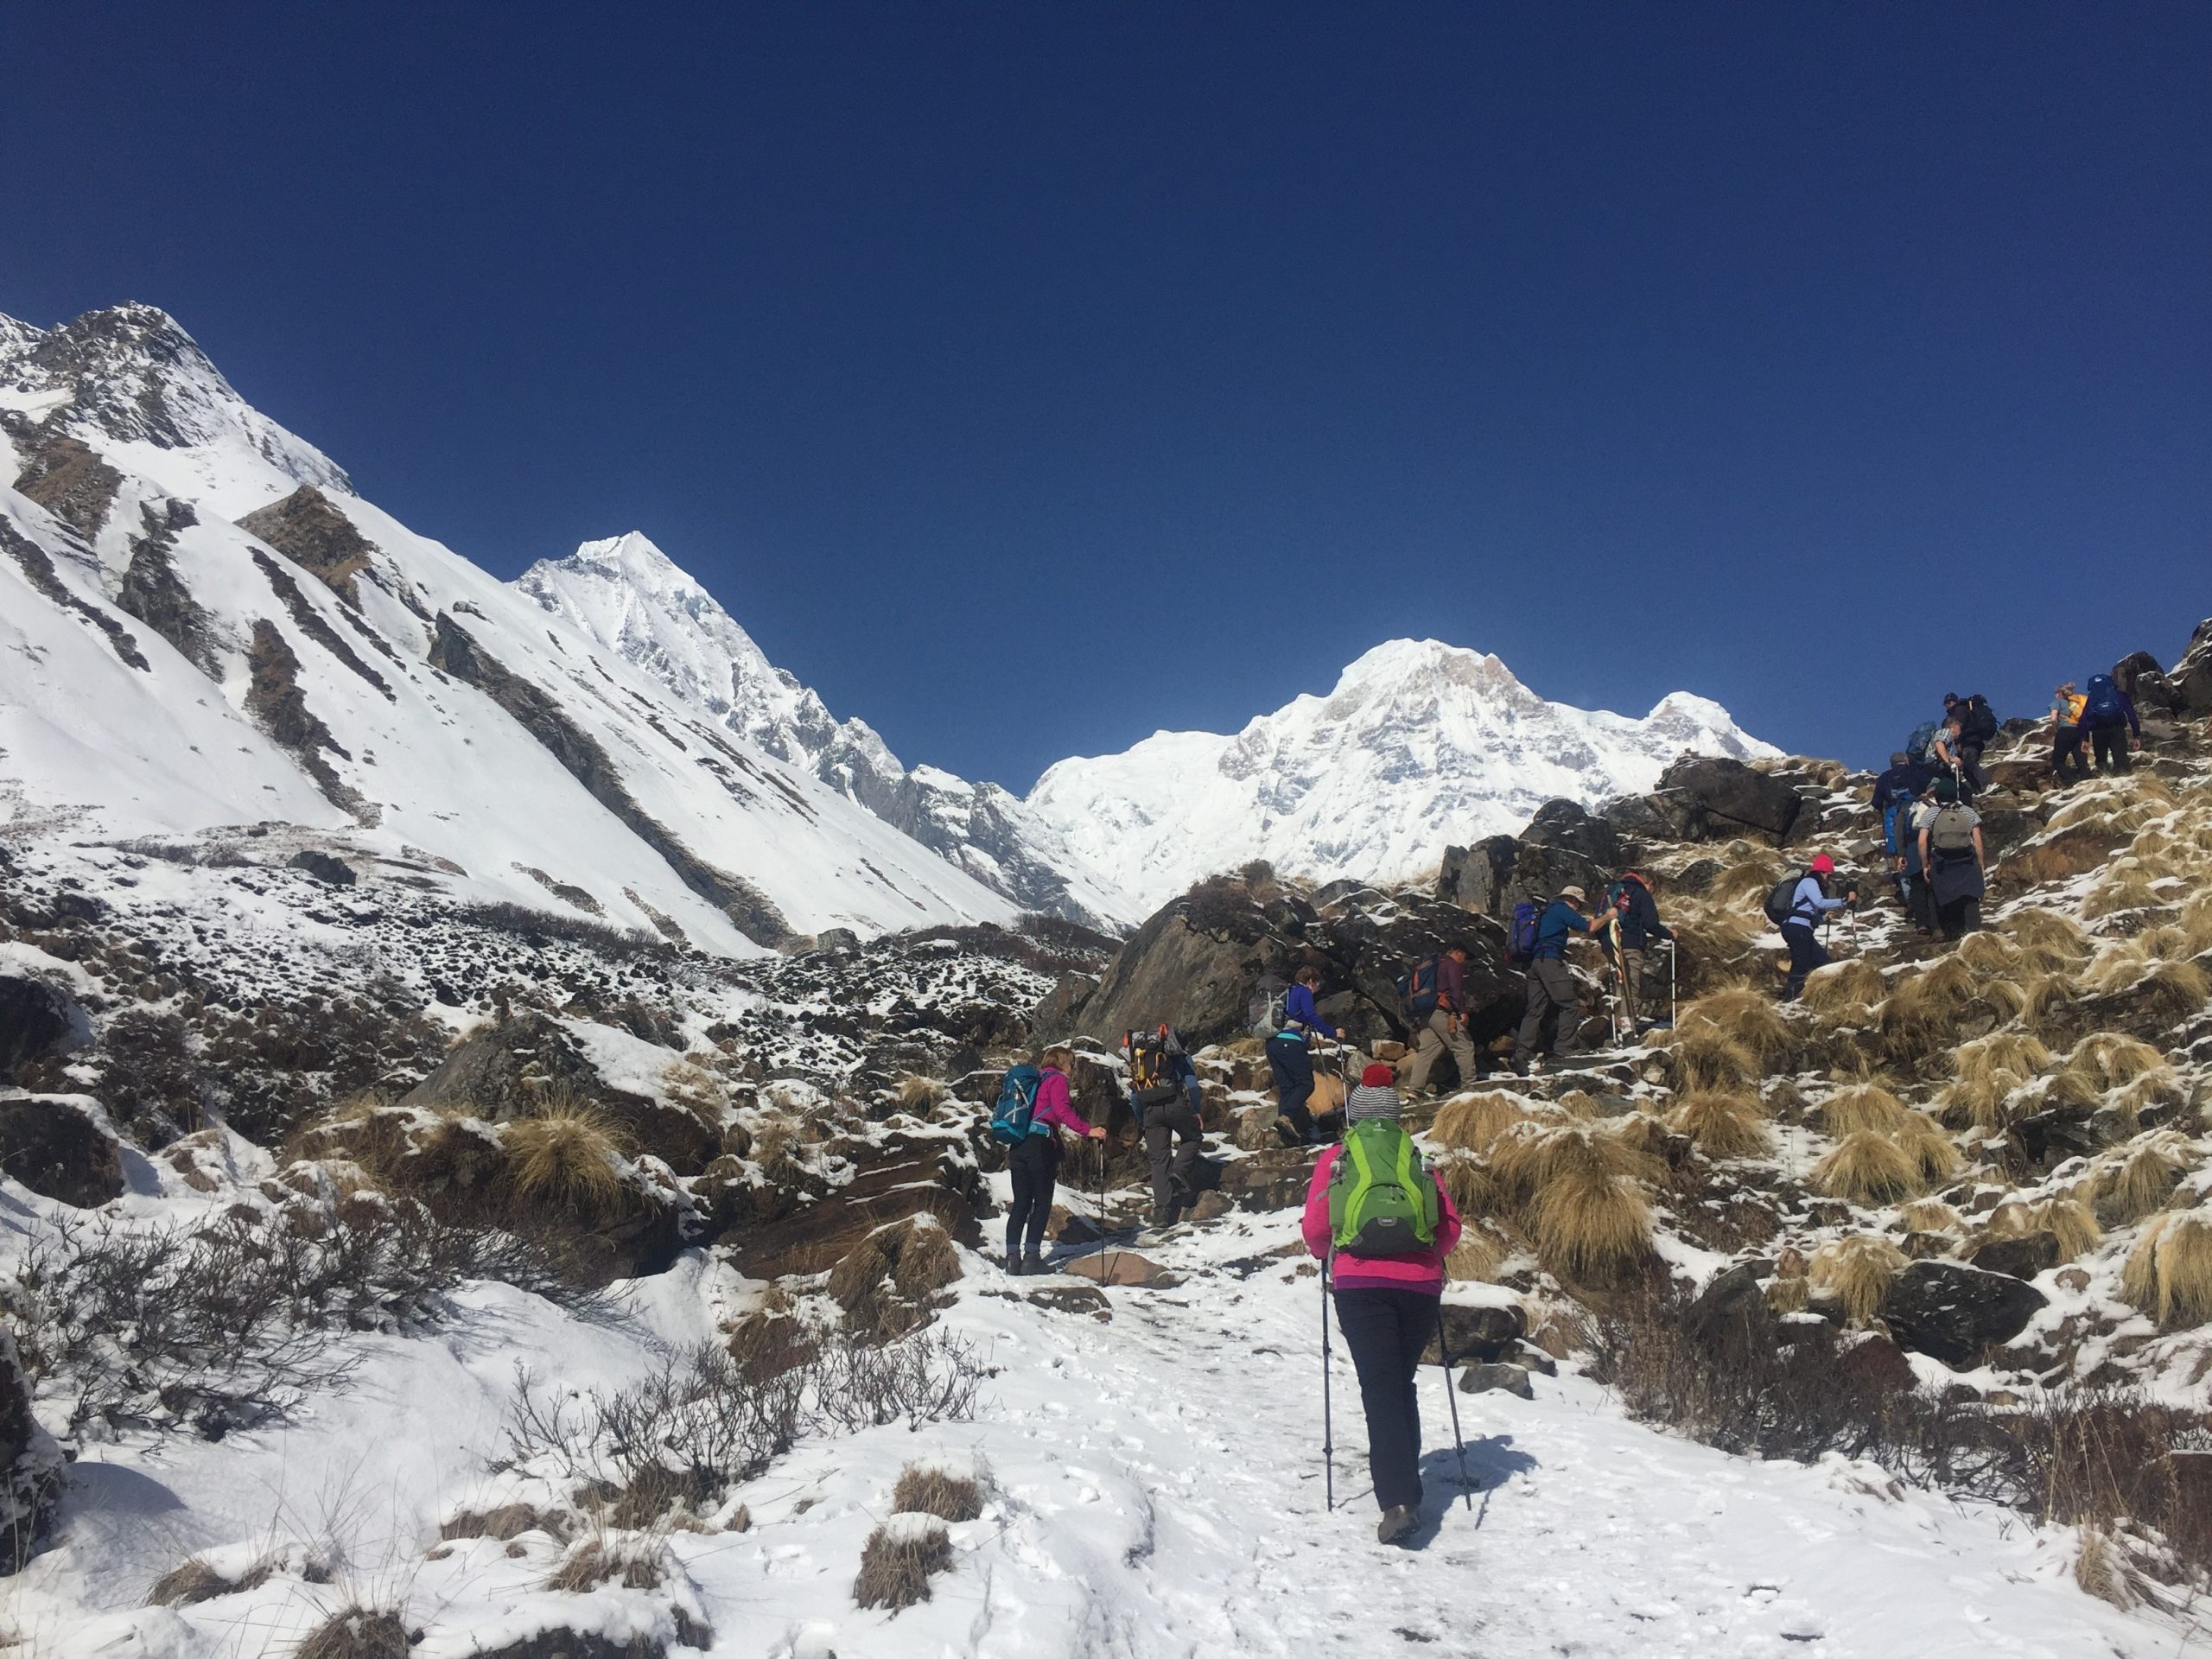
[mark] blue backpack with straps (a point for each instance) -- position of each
(1010, 1118)
(2102, 705)
(1915, 746)
(1526, 915)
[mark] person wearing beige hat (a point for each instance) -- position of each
(1551, 987)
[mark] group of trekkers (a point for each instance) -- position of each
(1374, 1215)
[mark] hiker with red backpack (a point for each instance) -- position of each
(1798, 905)
(1033, 1105)
(1433, 998)
(1382, 1225)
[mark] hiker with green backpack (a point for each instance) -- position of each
(1382, 1225)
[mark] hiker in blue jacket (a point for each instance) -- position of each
(1551, 987)
(1293, 1065)
(1809, 906)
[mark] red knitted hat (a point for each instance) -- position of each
(1377, 1076)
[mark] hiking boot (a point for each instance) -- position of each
(1396, 1524)
(1032, 1263)
(1013, 1265)
(1287, 1132)
(1163, 1220)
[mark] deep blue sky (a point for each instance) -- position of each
(1030, 377)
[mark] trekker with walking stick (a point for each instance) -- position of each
(1034, 1160)
(1382, 1226)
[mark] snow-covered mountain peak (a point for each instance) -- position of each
(131, 384)
(1420, 744)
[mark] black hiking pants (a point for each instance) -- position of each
(2109, 745)
(1294, 1069)
(2066, 756)
(1973, 780)
(1176, 1125)
(1551, 998)
(1036, 1166)
(1386, 1331)
(1805, 955)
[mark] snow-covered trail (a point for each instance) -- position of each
(1155, 1491)
(1160, 1493)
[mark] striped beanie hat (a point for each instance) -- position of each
(1372, 1100)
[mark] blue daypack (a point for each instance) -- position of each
(1017, 1104)
(1893, 819)
(1915, 746)
(2102, 705)
(1526, 915)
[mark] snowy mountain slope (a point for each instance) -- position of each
(1420, 745)
(338, 671)
(629, 597)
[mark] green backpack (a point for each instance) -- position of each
(1383, 1201)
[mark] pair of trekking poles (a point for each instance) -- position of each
(1328, 1412)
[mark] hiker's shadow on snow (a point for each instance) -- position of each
(1491, 1461)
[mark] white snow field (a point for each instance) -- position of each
(1154, 1487)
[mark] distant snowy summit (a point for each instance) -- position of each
(1420, 745)
(203, 627)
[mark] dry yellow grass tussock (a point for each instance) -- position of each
(1989, 954)
(923, 1489)
(920, 1095)
(1931, 1150)
(2066, 1219)
(1477, 1256)
(2168, 1273)
(1868, 1167)
(1470, 1122)
(1986, 1074)
(1863, 1106)
(1931, 1216)
(1591, 1224)
(2133, 1181)
(1856, 1270)
(2126, 884)
(1748, 878)
(2143, 967)
(1844, 991)
(1723, 1124)
(1744, 1016)
(1472, 1184)
(567, 1152)
(1926, 1010)
(2121, 805)
(1707, 1058)
(2054, 939)
(1532, 1156)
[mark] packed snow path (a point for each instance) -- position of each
(1155, 1490)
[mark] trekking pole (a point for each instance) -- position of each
(1452, 1399)
(1328, 1419)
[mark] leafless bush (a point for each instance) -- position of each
(223, 1326)
(704, 1422)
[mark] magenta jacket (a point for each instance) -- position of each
(1053, 1109)
(1416, 1270)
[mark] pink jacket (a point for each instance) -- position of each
(1053, 1109)
(1416, 1270)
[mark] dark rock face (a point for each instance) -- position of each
(38, 570)
(30, 1465)
(65, 475)
(313, 534)
(1479, 1336)
(1952, 1312)
(1734, 1302)
(280, 707)
(1731, 798)
(154, 593)
(54, 1146)
(506, 1069)
(458, 654)
(2017, 1258)
(323, 867)
(2192, 675)
(37, 1021)
(1497, 1378)
(2141, 677)
(1566, 826)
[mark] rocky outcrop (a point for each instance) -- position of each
(57, 1147)
(1729, 798)
(1952, 1312)
(37, 1021)
(280, 707)
(313, 534)
(309, 620)
(154, 593)
(63, 475)
(2192, 675)
(509, 1068)
(38, 570)
(458, 654)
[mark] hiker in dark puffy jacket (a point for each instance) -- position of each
(1551, 988)
(1387, 1306)
(1174, 1129)
(1894, 793)
(1977, 723)
(1636, 928)
(2108, 716)
(1290, 1059)
(1445, 1028)
(1904, 779)
(1035, 1163)
(1809, 904)
(1951, 853)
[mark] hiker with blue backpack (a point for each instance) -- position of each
(1290, 1056)
(1033, 1105)
(1432, 995)
(2108, 716)
(1895, 791)
(1552, 995)
(1164, 1097)
(1381, 1225)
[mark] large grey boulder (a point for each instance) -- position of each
(2192, 675)
(37, 1020)
(1730, 798)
